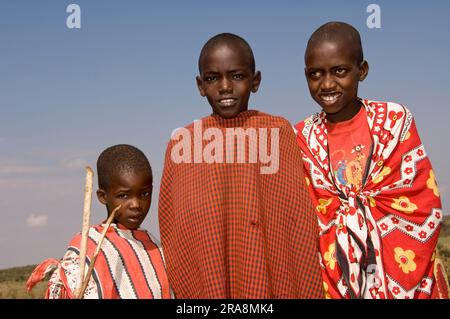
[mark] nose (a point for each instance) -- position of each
(135, 203)
(225, 86)
(328, 83)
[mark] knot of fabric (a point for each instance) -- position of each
(352, 236)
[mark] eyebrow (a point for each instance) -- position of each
(333, 67)
(230, 71)
(237, 70)
(123, 189)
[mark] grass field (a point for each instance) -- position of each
(12, 280)
(12, 284)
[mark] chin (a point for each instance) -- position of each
(331, 109)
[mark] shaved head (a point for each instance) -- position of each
(119, 159)
(338, 32)
(231, 40)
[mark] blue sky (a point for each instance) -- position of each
(128, 76)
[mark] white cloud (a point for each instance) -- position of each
(37, 221)
(10, 169)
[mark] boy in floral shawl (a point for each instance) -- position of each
(372, 184)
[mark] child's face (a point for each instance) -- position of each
(333, 73)
(131, 190)
(227, 80)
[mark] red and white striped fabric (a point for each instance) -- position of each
(129, 266)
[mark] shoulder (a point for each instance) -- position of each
(190, 127)
(76, 239)
(268, 120)
(304, 128)
(307, 121)
(187, 132)
(389, 107)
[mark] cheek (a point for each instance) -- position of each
(146, 203)
(209, 96)
(351, 84)
(313, 85)
(243, 89)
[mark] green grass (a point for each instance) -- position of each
(17, 290)
(13, 280)
(16, 274)
(445, 230)
(444, 243)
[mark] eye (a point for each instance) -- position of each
(341, 71)
(146, 194)
(122, 196)
(210, 78)
(238, 76)
(315, 74)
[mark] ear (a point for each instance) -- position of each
(199, 81)
(101, 195)
(256, 81)
(363, 70)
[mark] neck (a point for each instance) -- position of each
(346, 114)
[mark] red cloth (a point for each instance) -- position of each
(378, 241)
(229, 231)
(41, 270)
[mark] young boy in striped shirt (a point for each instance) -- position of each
(130, 264)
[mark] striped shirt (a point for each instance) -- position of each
(130, 265)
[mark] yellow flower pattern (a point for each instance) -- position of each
(323, 204)
(405, 259)
(330, 256)
(372, 202)
(403, 204)
(307, 181)
(326, 292)
(431, 184)
(408, 135)
(384, 172)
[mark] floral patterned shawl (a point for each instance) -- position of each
(378, 242)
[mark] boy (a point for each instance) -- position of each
(233, 225)
(130, 265)
(375, 194)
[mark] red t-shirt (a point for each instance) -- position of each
(349, 145)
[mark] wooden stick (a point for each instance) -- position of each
(85, 227)
(97, 250)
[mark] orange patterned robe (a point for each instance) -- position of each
(229, 231)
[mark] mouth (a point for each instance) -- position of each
(227, 102)
(134, 218)
(330, 98)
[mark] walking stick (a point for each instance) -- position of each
(85, 228)
(97, 250)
